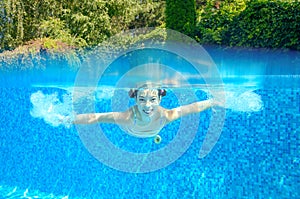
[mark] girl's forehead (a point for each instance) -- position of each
(148, 92)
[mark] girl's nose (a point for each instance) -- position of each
(148, 103)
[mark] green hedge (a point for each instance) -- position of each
(181, 16)
(256, 23)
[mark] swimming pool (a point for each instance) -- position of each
(256, 156)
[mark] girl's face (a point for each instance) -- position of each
(147, 101)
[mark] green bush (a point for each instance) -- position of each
(214, 19)
(268, 24)
(181, 16)
(256, 23)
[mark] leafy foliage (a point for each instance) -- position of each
(270, 24)
(181, 16)
(55, 28)
(256, 23)
(12, 23)
(214, 19)
(74, 23)
(150, 14)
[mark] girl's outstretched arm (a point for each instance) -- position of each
(92, 118)
(195, 107)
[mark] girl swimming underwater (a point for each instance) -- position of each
(147, 117)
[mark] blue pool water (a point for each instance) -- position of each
(256, 156)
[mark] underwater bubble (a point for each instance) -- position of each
(243, 102)
(52, 109)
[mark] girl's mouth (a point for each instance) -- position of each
(147, 111)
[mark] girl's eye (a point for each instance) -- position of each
(153, 99)
(141, 100)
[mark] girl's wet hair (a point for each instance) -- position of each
(133, 93)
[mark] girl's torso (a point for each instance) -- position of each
(143, 129)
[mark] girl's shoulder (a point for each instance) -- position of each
(124, 117)
(168, 114)
(164, 112)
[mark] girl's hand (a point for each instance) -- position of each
(218, 102)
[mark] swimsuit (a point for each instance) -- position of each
(144, 131)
